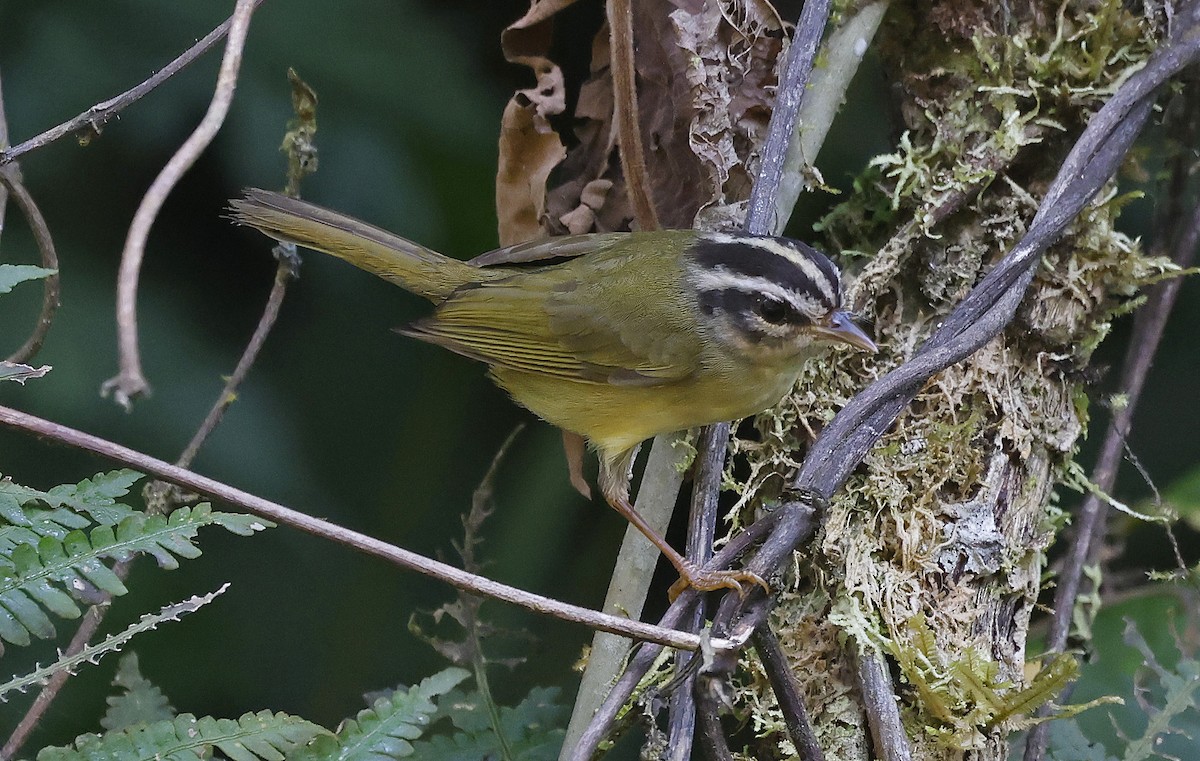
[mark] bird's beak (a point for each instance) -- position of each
(841, 327)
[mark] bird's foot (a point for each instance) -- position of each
(692, 575)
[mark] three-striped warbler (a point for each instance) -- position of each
(615, 336)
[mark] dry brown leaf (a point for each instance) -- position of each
(706, 73)
(529, 151)
(529, 146)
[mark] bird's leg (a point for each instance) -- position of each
(573, 447)
(614, 483)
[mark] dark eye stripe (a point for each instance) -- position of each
(748, 305)
(771, 258)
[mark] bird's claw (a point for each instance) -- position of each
(706, 581)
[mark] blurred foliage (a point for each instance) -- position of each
(340, 418)
(1153, 668)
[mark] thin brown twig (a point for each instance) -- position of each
(641, 660)
(283, 275)
(404, 558)
(791, 703)
(10, 179)
(98, 115)
(625, 109)
(11, 184)
(131, 382)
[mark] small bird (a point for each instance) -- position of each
(617, 337)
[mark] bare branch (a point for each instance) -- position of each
(762, 218)
(367, 544)
(130, 382)
(11, 184)
(98, 115)
(702, 527)
(283, 274)
(779, 673)
(879, 703)
(10, 180)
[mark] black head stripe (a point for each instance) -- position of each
(791, 264)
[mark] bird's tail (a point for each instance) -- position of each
(409, 265)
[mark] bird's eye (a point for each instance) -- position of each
(772, 310)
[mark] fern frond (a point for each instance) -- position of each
(532, 730)
(263, 735)
(140, 702)
(386, 730)
(96, 497)
(93, 653)
(55, 573)
(14, 274)
(56, 523)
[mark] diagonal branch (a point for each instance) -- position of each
(990, 306)
(99, 115)
(404, 558)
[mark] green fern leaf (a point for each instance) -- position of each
(56, 573)
(1068, 743)
(140, 702)
(264, 735)
(96, 496)
(533, 729)
(386, 730)
(37, 523)
(12, 274)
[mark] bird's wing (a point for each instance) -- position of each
(543, 325)
(545, 250)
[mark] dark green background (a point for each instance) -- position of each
(341, 418)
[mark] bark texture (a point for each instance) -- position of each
(933, 554)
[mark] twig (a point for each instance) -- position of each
(95, 616)
(879, 703)
(11, 184)
(283, 275)
(37, 709)
(791, 703)
(762, 218)
(847, 43)
(644, 657)
(367, 544)
(625, 108)
(712, 737)
(10, 178)
(702, 527)
(630, 582)
(98, 115)
(1089, 524)
(301, 161)
(130, 382)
